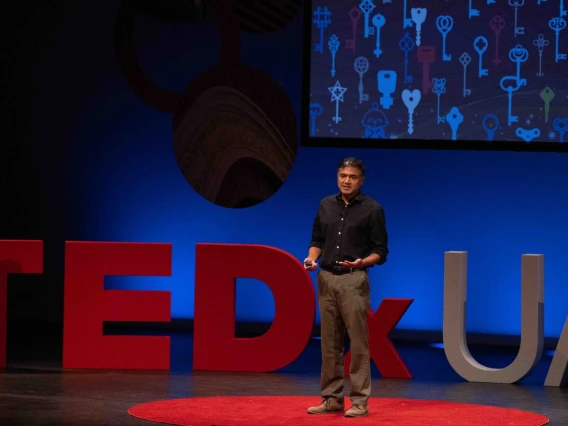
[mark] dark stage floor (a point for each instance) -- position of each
(35, 391)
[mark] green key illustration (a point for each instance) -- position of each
(547, 95)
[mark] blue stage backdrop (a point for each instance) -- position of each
(121, 181)
(438, 71)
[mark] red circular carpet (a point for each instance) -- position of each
(291, 410)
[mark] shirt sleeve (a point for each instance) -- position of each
(317, 234)
(378, 235)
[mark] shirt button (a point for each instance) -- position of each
(337, 246)
(341, 218)
(340, 233)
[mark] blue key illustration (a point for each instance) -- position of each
(315, 111)
(465, 59)
(558, 24)
(378, 21)
(386, 81)
(418, 17)
(361, 66)
(406, 44)
(519, 54)
(527, 135)
(445, 23)
(337, 96)
(480, 44)
(411, 100)
(406, 22)
(439, 89)
(561, 126)
(367, 6)
(322, 18)
(516, 4)
(510, 88)
(375, 121)
(472, 12)
(490, 118)
(333, 44)
(454, 119)
(540, 43)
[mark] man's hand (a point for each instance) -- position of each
(358, 264)
(310, 264)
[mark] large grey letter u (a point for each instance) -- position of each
(532, 321)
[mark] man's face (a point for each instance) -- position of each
(349, 180)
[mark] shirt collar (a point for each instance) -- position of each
(357, 199)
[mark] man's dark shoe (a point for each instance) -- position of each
(357, 411)
(329, 405)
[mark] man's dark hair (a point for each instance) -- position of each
(352, 162)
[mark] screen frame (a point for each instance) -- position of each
(432, 144)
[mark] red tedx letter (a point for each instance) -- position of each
(16, 257)
(383, 353)
(216, 269)
(87, 304)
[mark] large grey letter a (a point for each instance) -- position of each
(532, 321)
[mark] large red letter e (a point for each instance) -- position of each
(87, 304)
(16, 257)
(215, 345)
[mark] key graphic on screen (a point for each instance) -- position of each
(378, 22)
(497, 23)
(491, 124)
(558, 24)
(454, 118)
(439, 89)
(510, 88)
(527, 134)
(519, 54)
(315, 111)
(337, 96)
(406, 44)
(386, 81)
(406, 22)
(361, 66)
(367, 7)
(374, 121)
(411, 100)
(480, 44)
(354, 14)
(418, 17)
(322, 18)
(540, 43)
(547, 95)
(465, 59)
(333, 45)
(561, 126)
(516, 4)
(472, 12)
(426, 55)
(445, 23)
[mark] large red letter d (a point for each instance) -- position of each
(216, 270)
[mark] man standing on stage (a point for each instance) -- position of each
(349, 235)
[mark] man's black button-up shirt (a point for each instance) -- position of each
(349, 231)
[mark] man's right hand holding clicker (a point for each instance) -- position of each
(310, 264)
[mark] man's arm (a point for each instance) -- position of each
(378, 238)
(316, 244)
